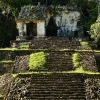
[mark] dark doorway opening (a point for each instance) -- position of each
(31, 29)
(75, 33)
(51, 29)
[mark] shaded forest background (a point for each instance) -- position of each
(9, 10)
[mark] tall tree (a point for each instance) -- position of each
(98, 7)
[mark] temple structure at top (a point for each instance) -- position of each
(44, 21)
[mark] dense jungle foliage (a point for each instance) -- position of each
(95, 30)
(9, 10)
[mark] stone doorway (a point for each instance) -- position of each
(51, 29)
(75, 33)
(31, 29)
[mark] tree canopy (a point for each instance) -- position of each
(95, 29)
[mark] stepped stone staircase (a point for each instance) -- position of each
(54, 86)
(59, 61)
(53, 43)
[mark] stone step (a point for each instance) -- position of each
(62, 76)
(57, 97)
(61, 79)
(59, 57)
(72, 75)
(59, 60)
(59, 64)
(54, 86)
(71, 95)
(66, 91)
(59, 69)
(53, 43)
(69, 85)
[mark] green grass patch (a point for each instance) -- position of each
(37, 61)
(1, 96)
(6, 61)
(80, 70)
(24, 47)
(84, 43)
(76, 60)
(14, 75)
(12, 49)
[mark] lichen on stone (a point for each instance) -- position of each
(38, 12)
(31, 12)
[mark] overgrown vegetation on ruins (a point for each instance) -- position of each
(84, 43)
(24, 47)
(6, 61)
(95, 29)
(49, 67)
(76, 60)
(9, 10)
(37, 61)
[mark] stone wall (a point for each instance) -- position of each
(11, 54)
(92, 86)
(6, 55)
(21, 64)
(6, 67)
(17, 44)
(67, 20)
(19, 61)
(97, 56)
(41, 29)
(88, 62)
(5, 81)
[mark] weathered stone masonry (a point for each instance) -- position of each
(34, 20)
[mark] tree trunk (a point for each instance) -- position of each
(98, 7)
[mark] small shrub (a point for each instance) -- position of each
(37, 61)
(84, 43)
(76, 60)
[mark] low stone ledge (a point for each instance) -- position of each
(6, 67)
(21, 38)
